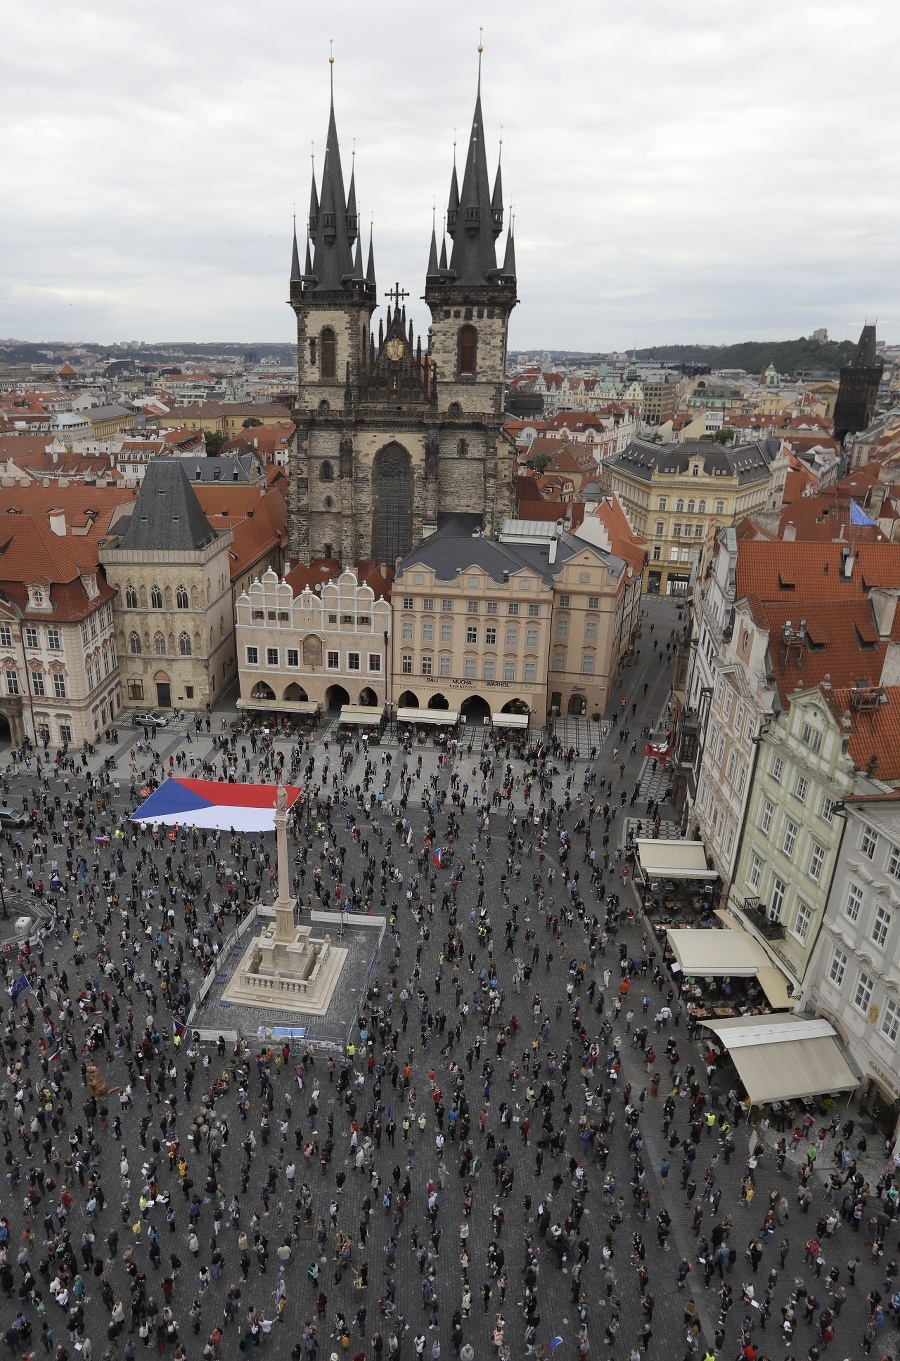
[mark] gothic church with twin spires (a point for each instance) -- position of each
(393, 437)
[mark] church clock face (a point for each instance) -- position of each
(394, 348)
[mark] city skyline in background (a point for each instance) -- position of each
(673, 177)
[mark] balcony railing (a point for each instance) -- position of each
(755, 912)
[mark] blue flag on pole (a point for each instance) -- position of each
(20, 985)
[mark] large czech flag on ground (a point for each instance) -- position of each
(214, 804)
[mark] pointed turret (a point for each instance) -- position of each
(295, 258)
(443, 260)
(358, 276)
(370, 267)
(453, 201)
(497, 204)
(433, 269)
(509, 259)
(473, 256)
(352, 215)
(312, 222)
(308, 270)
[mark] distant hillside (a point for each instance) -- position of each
(29, 352)
(788, 356)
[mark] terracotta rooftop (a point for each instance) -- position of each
(797, 570)
(623, 540)
(874, 731)
(840, 644)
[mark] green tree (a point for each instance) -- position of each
(724, 435)
(214, 441)
(539, 464)
(250, 422)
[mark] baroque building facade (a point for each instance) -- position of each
(393, 437)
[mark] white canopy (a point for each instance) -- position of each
(780, 1058)
(443, 718)
(511, 720)
(715, 953)
(669, 859)
(281, 706)
(359, 716)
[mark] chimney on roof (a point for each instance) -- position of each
(551, 556)
(884, 605)
(890, 667)
(58, 523)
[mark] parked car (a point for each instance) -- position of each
(16, 821)
(156, 719)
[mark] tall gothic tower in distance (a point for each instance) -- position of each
(394, 436)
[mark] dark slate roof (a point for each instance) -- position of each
(238, 468)
(107, 413)
(454, 549)
(749, 463)
(474, 255)
(167, 515)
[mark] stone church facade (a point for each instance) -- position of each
(394, 437)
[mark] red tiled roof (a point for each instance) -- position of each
(623, 541)
(835, 643)
(30, 553)
(549, 511)
(825, 518)
(368, 573)
(796, 570)
(874, 731)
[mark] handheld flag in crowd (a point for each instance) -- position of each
(20, 985)
(553, 1344)
(436, 857)
(178, 1028)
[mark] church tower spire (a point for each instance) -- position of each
(295, 257)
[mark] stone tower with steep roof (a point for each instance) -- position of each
(393, 436)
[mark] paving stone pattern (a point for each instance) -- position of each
(548, 1177)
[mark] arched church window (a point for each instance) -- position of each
(184, 645)
(155, 598)
(326, 472)
(392, 488)
(329, 353)
(131, 600)
(466, 356)
(181, 598)
(159, 645)
(134, 644)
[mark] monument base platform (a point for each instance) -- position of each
(285, 991)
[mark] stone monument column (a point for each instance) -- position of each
(284, 903)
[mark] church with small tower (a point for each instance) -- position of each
(394, 435)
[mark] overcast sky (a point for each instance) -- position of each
(704, 172)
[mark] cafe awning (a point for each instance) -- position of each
(511, 720)
(443, 718)
(775, 986)
(715, 953)
(281, 706)
(663, 859)
(359, 716)
(783, 1058)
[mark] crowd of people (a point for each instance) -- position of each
(493, 1161)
